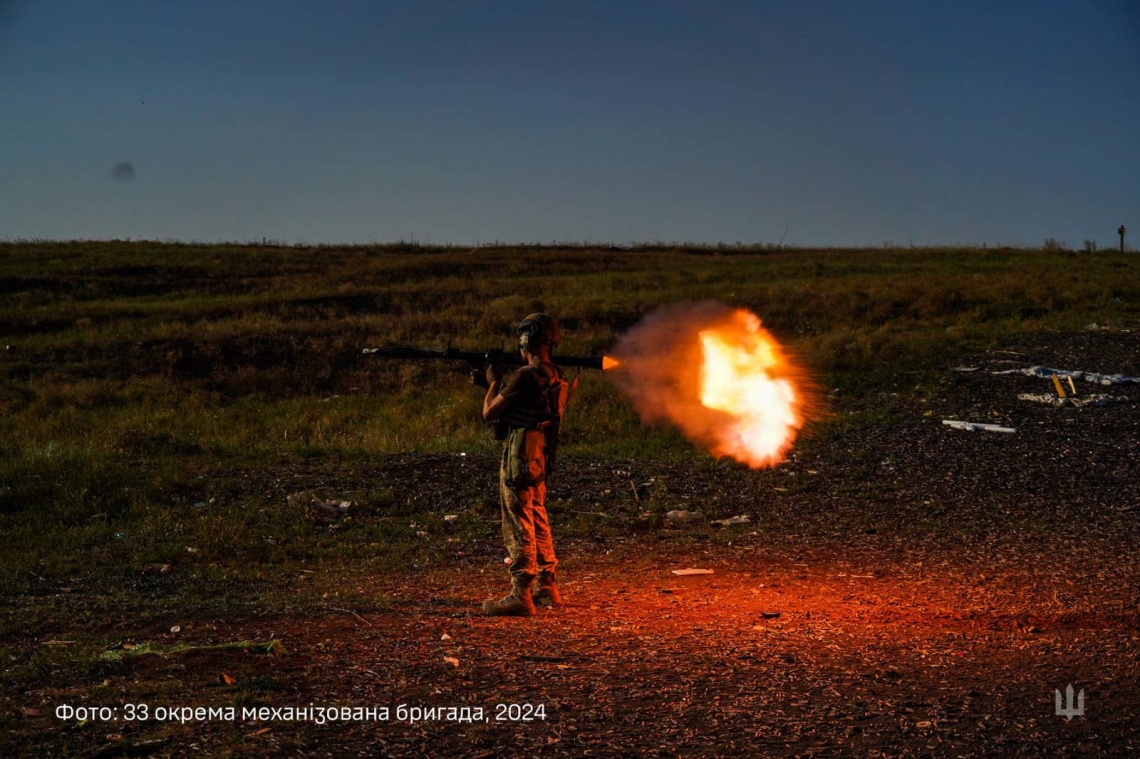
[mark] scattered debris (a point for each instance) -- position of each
(1060, 388)
(452, 661)
(445, 636)
(964, 369)
(741, 519)
(1098, 399)
(306, 499)
(974, 426)
(769, 615)
(684, 517)
(688, 572)
(1100, 379)
(450, 517)
(228, 679)
(334, 506)
(176, 629)
(199, 504)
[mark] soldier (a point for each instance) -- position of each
(527, 410)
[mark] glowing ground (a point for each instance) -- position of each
(878, 653)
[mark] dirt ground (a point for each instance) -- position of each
(900, 589)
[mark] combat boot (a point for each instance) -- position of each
(517, 603)
(546, 591)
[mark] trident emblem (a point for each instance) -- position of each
(1067, 710)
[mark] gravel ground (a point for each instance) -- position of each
(901, 589)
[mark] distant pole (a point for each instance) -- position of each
(1121, 232)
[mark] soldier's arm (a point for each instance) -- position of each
(494, 404)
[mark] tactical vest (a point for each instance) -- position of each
(552, 393)
(546, 414)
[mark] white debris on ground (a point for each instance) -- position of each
(683, 517)
(1097, 399)
(336, 507)
(975, 426)
(689, 572)
(307, 499)
(741, 519)
(1045, 372)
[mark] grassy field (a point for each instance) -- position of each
(135, 368)
(175, 408)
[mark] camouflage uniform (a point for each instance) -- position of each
(523, 471)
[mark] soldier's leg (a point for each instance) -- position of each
(543, 539)
(545, 590)
(506, 495)
(518, 534)
(518, 528)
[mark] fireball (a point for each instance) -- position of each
(719, 376)
(743, 374)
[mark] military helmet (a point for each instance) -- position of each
(537, 329)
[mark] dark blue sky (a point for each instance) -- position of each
(847, 122)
